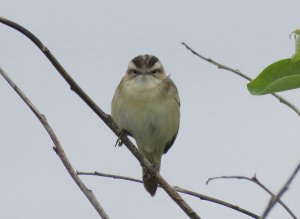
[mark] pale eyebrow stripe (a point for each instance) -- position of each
(157, 65)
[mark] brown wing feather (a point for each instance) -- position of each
(173, 89)
(169, 144)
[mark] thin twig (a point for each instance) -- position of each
(105, 118)
(238, 72)
(274, 199)
(178, 189)
(217, 201)
(109, 176)
(219, 65)
(58, 147)
(255, 180)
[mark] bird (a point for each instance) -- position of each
(146, 106)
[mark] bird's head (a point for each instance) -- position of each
(145, 66)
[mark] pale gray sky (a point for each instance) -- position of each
(224, 130)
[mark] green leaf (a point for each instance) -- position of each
(279, 76)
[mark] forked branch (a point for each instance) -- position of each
(105, 118)
(239, 73)
(276, 198)
(255, 180)
(178, 189)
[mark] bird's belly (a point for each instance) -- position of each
(151, 122)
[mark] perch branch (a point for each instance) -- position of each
(255, 180)
(178, 189)
(238, 72)
(105, 118)
(58, 147)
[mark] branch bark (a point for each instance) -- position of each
(105, 118)
(239, 73)
(58, 148)
(274, 199)
(255, 180)
(178, 189)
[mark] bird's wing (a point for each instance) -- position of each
(173, 90)
(170, 143)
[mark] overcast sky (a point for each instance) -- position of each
(224, 130)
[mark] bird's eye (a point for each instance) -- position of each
(154, 72)
(134, 72)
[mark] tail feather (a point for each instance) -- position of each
(150, 182)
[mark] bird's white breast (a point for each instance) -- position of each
(144, 111)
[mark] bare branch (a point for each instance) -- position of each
(237, 72)
(217, 201)
(105, 118)
(110, 176)
(255, 180)
(219, 65)
(178, 189)
(58, 148)
(275, 198)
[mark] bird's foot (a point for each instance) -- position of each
(149, 175)
(119, 141)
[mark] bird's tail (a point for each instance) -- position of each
(150, 182)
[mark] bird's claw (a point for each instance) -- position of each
(151, 175)
(119, 141)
